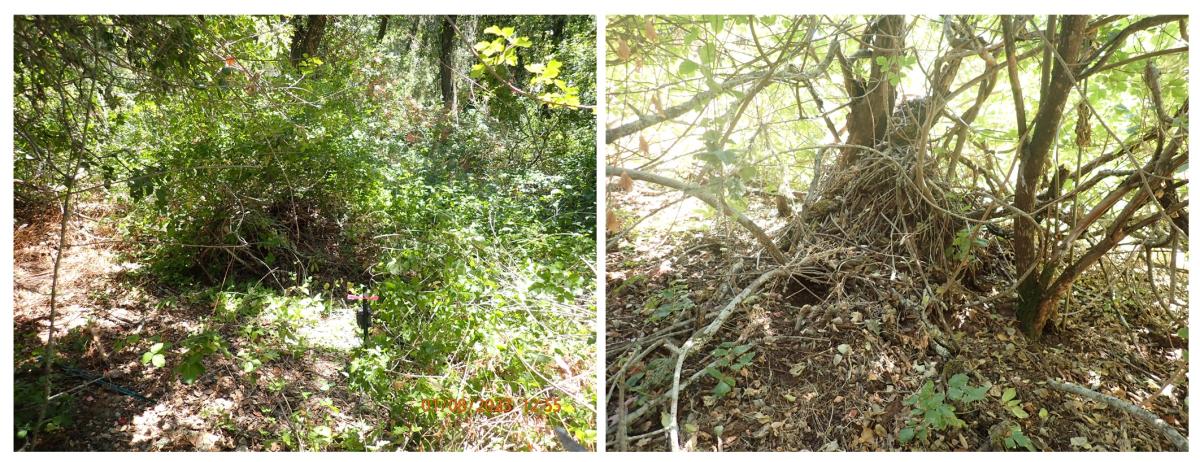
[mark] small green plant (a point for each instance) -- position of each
(664, 304)
(1015, 437)
(156, 355)
(199, 346)
(931, 411)
(963, 244)
(1009, 435)
(734, 357)
(1010, 402)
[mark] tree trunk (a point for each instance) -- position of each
(306, 40)
(871, 101)
(1030, 311)
(1157, 173)
(383, 26)
(446, 62)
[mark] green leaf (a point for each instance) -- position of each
(708, 53)
(688, 67)
(158, 360)
(717, 22)
(906, 434)
(972, 394)
(1020, 439)
(1009, 394)
(722, 389)
(190, 370)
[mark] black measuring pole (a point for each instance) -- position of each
(364, 313)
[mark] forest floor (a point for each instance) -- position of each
(838, 380)
(108, 316)
(105, 316)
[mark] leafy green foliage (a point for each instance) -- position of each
(668, 302)
(1016, 438)
(501, 51)
(963, 243)
(268, 189)
(930, 411)
(1010, 402)
(156, 355)
(733, 358)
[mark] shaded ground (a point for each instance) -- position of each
(109, 315)
(832, 367)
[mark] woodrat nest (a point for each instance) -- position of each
(887, 201)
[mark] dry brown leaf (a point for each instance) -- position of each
(623, 50)
(625, 183)
(643, 145)
(612, 223)
(651, 34)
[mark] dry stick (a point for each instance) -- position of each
(1180, 441)
(632, 416)
(622, 430)
(696, 191)
(700, 338)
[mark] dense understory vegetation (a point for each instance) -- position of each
(251, 172)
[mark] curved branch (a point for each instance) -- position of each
(697, 192)
(643, 122)
(700, 338)
(1152, 54)
(1105, 52)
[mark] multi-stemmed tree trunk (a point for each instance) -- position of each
(1034, 149)
(872, 99)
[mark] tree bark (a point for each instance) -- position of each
(383, 26)
(1033, 159)
(306, 40)
(1156, 171)
(446, 63)
(871, 101)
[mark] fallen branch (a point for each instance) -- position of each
(697, 192)
(700, 338)
(1180, 441)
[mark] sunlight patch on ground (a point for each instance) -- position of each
(338, 331)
